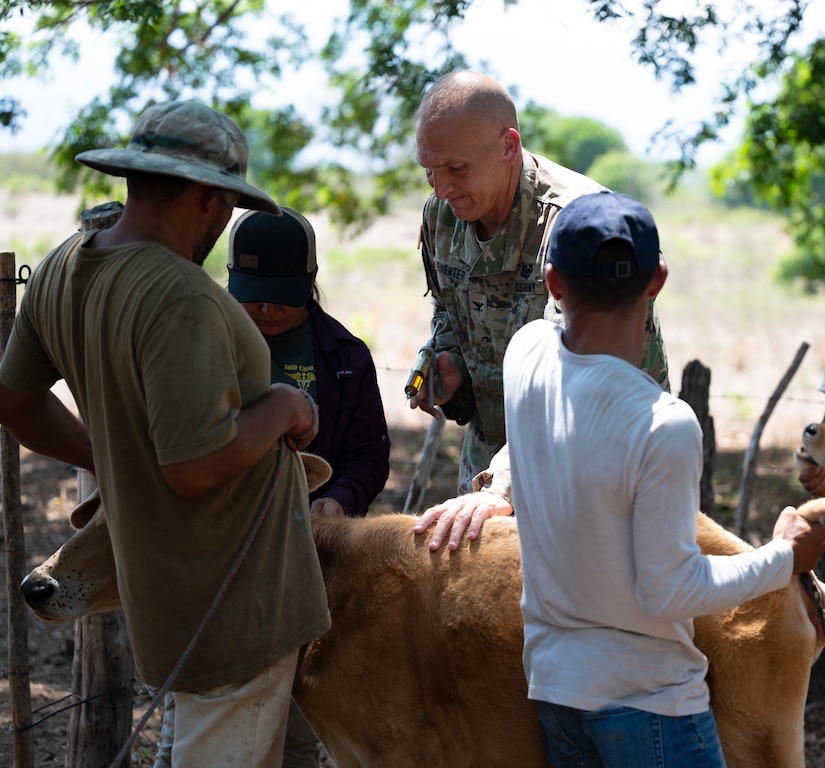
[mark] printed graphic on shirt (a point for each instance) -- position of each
(293, 359)
(299, 374)
(302, 375)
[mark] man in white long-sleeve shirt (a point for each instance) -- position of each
(612, 573)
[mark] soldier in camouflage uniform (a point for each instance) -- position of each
(483, 239)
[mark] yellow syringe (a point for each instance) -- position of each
(419, 371)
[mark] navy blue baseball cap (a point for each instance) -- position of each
(272, 258)
(587, 222)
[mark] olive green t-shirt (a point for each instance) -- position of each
(160, 361)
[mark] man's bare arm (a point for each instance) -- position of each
(284, 411)
(40, 421)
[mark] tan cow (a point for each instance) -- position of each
(422, 665)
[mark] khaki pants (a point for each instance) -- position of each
(242, 726)
(301, 748)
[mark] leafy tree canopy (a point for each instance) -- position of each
(378, 60)
(781, 160)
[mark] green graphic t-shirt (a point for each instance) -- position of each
(293, 358)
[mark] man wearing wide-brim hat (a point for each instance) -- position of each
(183, 434)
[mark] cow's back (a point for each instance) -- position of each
(431, 642)
(434, 651)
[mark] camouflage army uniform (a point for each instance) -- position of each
(481, 298)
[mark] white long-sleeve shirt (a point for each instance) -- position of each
(605, 471)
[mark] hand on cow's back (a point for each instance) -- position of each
(455, 516)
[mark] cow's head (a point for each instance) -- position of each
(80, 578)
(811, 452)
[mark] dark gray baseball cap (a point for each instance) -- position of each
(272, 258)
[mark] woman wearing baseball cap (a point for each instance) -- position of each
(272, 267)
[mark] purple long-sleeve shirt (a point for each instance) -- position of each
(352, 434)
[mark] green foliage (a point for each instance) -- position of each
(215, 263)
(175, 49)
(204, 51)
(536, 125)
(574, 142)
(781, 162)
(370, 257)
(583, 140)
(731, 187)
(26, 173)
(622, 171)
(805, 265)
(378, 61)
(667, 43)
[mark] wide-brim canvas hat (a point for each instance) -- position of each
(190, 141)
(272, 258)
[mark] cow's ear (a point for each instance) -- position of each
(84, 511)
(317, 469)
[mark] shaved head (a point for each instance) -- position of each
(467, 142)
(470, 94)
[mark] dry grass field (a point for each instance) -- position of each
(720, 306)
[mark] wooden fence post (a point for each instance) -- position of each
(18, 651)
(102, 665)
(424, 466)
(749, 468)
(696, 393)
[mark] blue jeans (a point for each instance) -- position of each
(622, 737)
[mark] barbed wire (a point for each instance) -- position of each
(117, 689)
(728, 396)
(23, 275)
